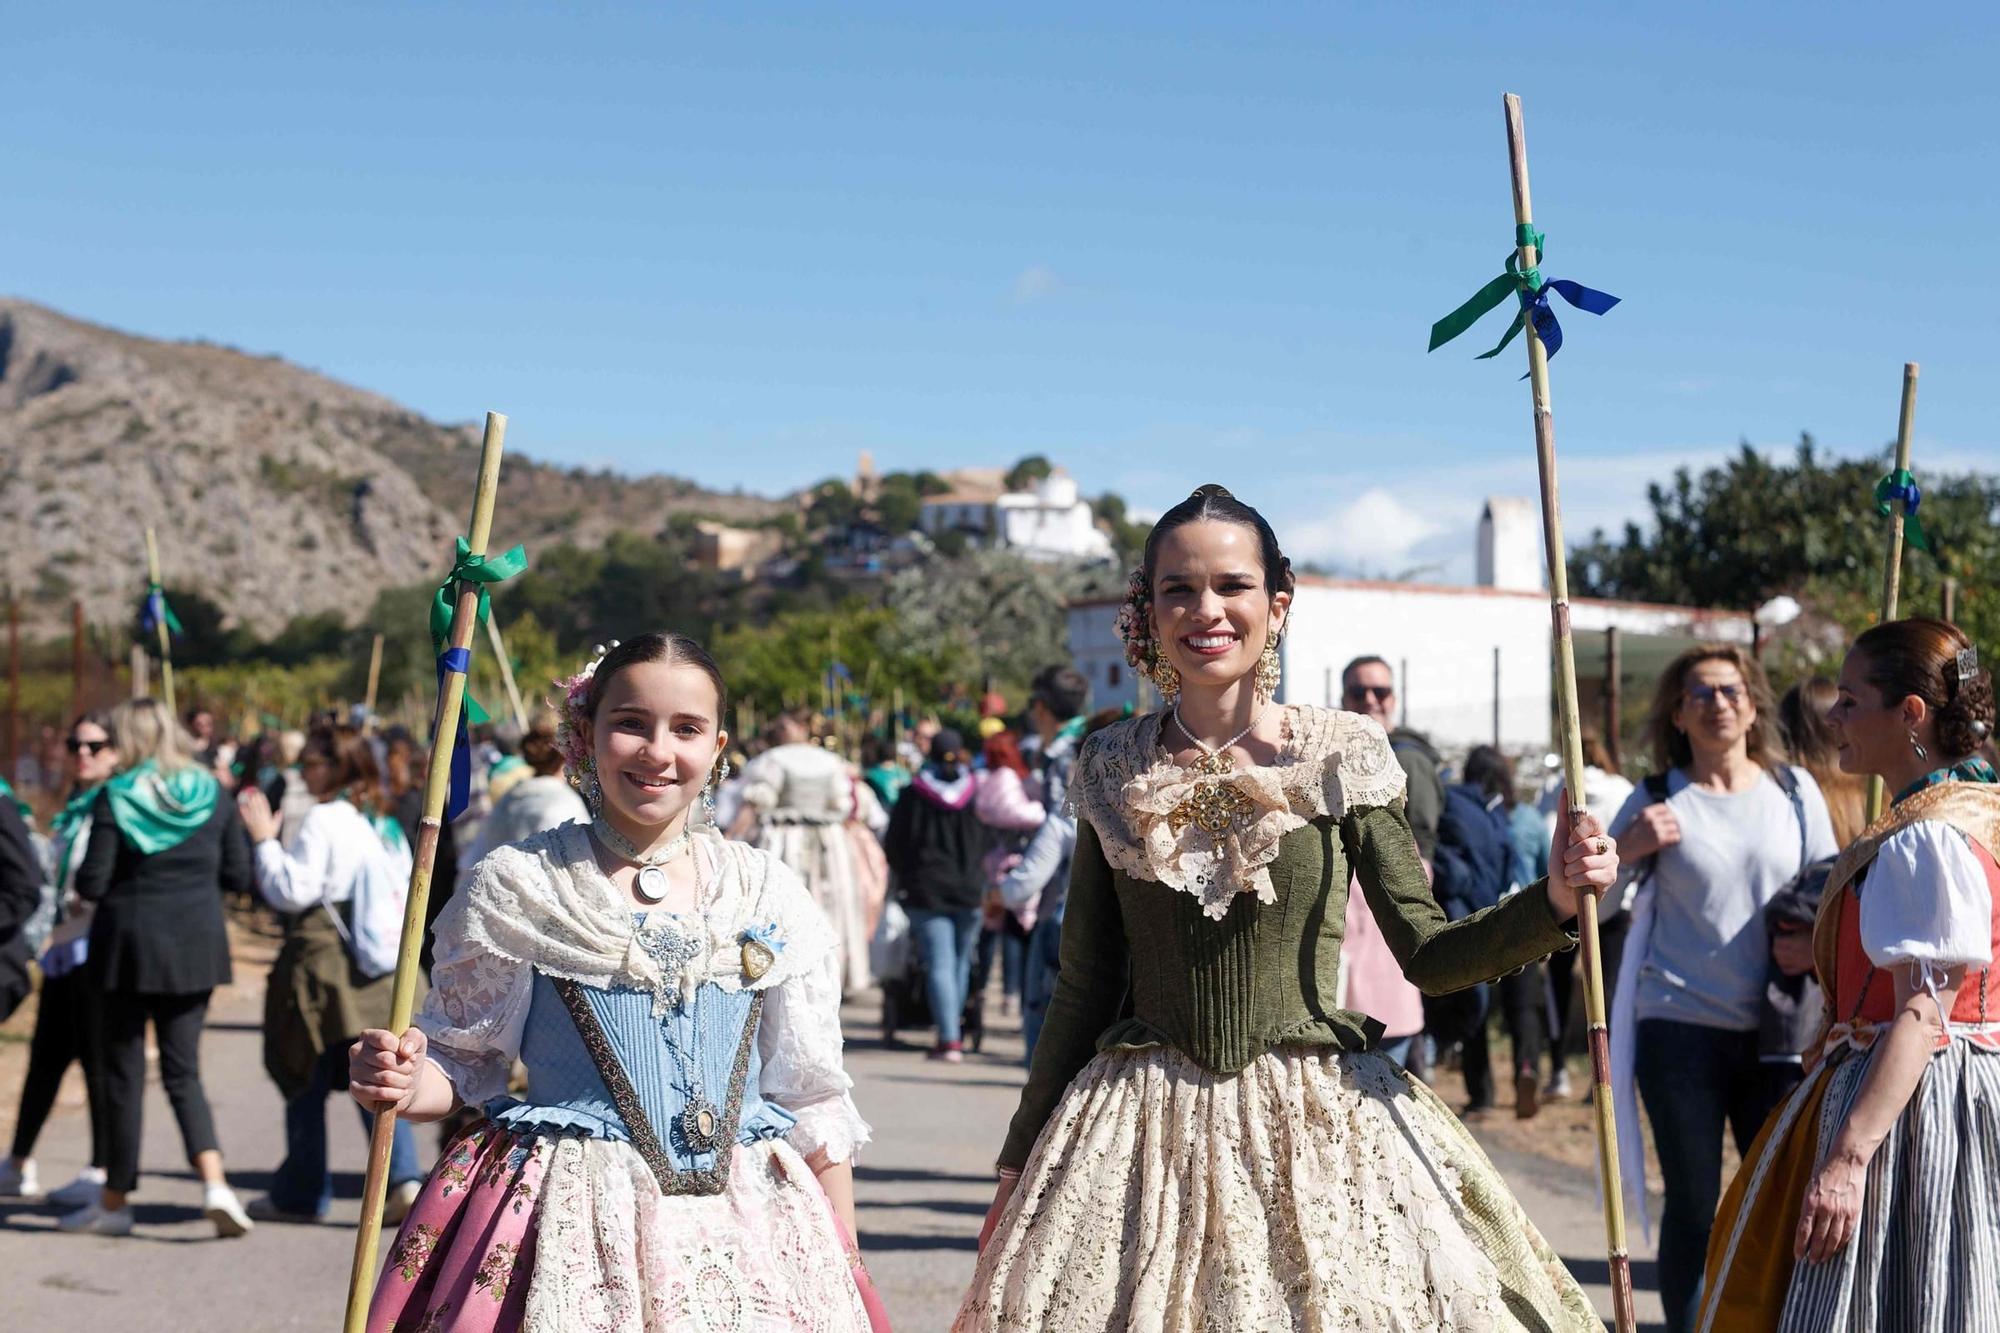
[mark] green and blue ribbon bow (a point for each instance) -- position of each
(154, 611)
(485, 571)
(1900, 487)
(1533, 290)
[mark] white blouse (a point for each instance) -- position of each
(477, 1008)
(1926, 904)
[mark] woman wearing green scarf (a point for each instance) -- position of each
(66, 1018)
(163, 850)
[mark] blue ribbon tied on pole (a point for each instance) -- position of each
(1532, 290)
(483, 571)
(154, 611)
(1899, 487)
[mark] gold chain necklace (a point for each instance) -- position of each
(1216, 804)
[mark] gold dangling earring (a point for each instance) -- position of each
(1269, 672)
(1166, 676)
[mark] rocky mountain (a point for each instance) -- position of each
(274, 490)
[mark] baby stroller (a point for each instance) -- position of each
(900, 972)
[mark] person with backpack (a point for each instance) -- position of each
(340, 883)
(1717, 836)
(1471, 872)
(935, 846)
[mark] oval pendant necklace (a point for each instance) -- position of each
(651, 881)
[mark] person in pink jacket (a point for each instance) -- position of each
(1008, 804)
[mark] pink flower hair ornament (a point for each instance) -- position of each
(570, 704)
(1135, 621)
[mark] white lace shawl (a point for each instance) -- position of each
(544, 905)
(1126, 785)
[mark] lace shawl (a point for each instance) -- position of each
(1128, 787)
(544, 905)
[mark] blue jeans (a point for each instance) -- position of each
(1694, 1081)
(1038, 980)
(945, 943)
(1398, 1048)
(302, 1183)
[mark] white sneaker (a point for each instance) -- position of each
(88, 1187)
(19, 1182)
(95, 1220)
(401, 1199)
(1559, 1089)
(221, 1206)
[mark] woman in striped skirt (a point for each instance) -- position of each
(1870, 1202)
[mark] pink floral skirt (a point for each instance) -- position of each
(568, 1235)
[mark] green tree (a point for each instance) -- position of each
(833, 505)
(985, 615)
(1025, 473)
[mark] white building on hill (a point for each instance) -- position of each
(1472, 664)
(1050, 522)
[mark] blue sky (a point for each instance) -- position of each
(1162, 243)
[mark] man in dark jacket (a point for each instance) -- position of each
(934, 844)
(1368, 686)
(20, 894)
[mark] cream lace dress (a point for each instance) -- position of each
(1309, 1184)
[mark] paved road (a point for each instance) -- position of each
(924, 1188)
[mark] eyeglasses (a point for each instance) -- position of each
(1382, 692)
(1708, 694)
(75, 746)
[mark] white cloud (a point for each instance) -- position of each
(1035, 283)
(1375, 529)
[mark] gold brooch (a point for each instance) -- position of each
(1213, 806)
(757, 959)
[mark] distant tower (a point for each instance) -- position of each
(866, 483)
(1509, 554)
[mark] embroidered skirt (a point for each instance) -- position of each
(1314, 1191)
(1925, 1254)
(572, 1235)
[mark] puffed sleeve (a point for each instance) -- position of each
(1925, 904)
(800, 1043)
(763, 782)
(476, 1010)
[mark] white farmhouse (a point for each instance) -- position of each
(1050, 522)
(1472, 664)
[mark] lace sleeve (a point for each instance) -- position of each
(475, 1011)
(1361, 768)
(800, 1043)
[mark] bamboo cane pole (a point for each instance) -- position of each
(374, 678)
(1892, 565)
(1571, 749)
(160, 624)
(76, 687)
(506, 670)
(437, 786)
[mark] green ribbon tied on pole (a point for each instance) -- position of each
(485, 571)
(1532, 290)
(1900, 486)
(154, 611)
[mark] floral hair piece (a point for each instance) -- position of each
(1135, 625)
(572, 698)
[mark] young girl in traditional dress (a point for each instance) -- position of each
(1206, 1140)
(680, 1159)
(1871, 1201)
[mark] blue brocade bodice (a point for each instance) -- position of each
(566, 1095)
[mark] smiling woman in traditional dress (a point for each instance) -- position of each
(1870, 1202)
(1205, 1140)
(681, 1157)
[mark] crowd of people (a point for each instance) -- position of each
(1240, 937)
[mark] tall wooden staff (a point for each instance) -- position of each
(1570, 726)
(1885, 493)
(437, 786)
(76, 690)
(1523, 281)
(157, 600)
(374, 680)
(506, 670)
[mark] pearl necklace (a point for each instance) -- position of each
(1221, 752)
(651, 883)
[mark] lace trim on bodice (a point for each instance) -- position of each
(1215, 837)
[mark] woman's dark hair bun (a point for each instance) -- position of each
(1920, 656)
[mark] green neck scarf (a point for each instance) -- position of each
(72, 822)
(7, 792)
(157, 811)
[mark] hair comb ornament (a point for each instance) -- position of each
(1968, 663)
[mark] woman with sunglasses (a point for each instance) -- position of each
(65, 1014)
(1724, 827)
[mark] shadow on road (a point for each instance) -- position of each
(878, 1241)
(886, 1174)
